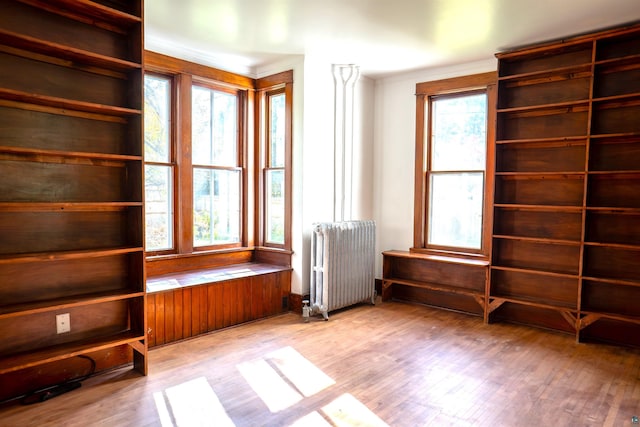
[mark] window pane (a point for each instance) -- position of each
(275, 206)
(459, 133)
(276, 131)
(157, 118)
(455, 209)
(158, 208)
(214, 127)
(216, 206)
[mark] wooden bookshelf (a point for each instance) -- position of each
(566, 240)
(71, 197)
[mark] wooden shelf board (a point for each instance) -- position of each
(628, 59)
(548, 72)
(615, 135)
(64, 351)
(51, 101)
(538, 240)
(548, 208)
(83, 154)
(436, 287)
(65, 255)
(534, 271)
(627, 172)
(613, 210)
(614, 98)
(541, 140)
(33, 152)
(66, 52)
(613, 316)
(535, 302)
(566, 104)
(627, 246)
(75, 207)
(617, 173)
(16, 310)
(542, 174)
(610, 281)
(87, 8)
(437, 258)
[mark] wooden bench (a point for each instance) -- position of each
(449, 282)
(188, 303)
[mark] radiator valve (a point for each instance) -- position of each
(306, 310)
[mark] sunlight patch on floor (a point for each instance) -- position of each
(304, 375)
(274, 391)
(283, 378)
(193, 403)
(347, 411)
(313, 419)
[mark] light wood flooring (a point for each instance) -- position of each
(391, 364)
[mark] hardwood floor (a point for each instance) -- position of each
(393, 364)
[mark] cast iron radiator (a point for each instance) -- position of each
(342, 265)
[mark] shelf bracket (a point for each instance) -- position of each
(588, 320)
(495, 304)
(386, 290)
(480, 300)
(570, 318)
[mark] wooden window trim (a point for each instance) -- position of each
(274, 85)
(484, 81)
(184, 75)
(251, 248)
(173, 161)
(241, 165)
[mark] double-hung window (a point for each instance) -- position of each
(216, 167)
(454, 145)
(217, 164)
(275, 100)
(274, 172)
(159, 163)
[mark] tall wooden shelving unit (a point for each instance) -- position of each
(566, 241)
(71, 193)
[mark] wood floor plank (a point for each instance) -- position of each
(391, 364)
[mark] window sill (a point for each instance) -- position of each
(210, 275)
(450, 257)
(197, 253)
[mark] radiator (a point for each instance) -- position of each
(342, 265)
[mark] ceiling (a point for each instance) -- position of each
(381, 36)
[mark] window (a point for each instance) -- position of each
(159, 165)
(217, 165)
(274, 172)
(455, 181)
(216, 168)
(452, 145)
(275, 149)
(194, 169)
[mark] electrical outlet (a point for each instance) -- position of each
(63, 323)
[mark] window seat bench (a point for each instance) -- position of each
(188, 303)
(443, 281)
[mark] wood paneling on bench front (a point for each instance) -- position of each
(196, 302)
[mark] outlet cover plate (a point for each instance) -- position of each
(63, 323)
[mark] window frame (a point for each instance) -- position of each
(172, 163)
(425, 92)
(281, 83)
(250, 112)
(184, 75)
(238, 167)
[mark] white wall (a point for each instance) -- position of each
(313, 156)
(384, 144)
(394, 147)
(363, 148)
